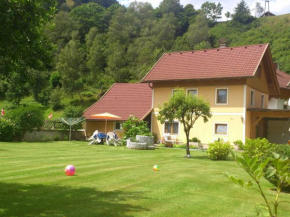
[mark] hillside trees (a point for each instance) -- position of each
(242, 13)
(71, 66)
(197, 34)
(212, 10)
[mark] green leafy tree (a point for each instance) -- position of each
(71, 66)
(165, 32)
(17, 87)
(60, 29)
(256, 169)
(212, 10)
(104, 3)
(88, 16)
(22, 44)
(170, 6)
(198, 31)
(242, 13)
(97, 57)
(185, 108)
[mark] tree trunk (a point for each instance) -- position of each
(187, 144)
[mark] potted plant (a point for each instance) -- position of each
(195, 142)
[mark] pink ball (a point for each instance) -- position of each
(70, 170)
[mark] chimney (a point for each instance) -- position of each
(222, 42)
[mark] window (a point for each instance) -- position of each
(192, 91)
(171, 128)
(221, 129)
(262, 100)
(222, 96)
(175, 90)
(252, 98)
(118, 126)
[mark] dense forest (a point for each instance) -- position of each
(86, 45)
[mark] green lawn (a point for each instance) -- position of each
(117, 182)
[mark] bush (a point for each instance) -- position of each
(219, 150)
(27, 119)
(7, 130)
(284, 152)
(240, 144)
(258, 147)
(194, 139)
(133, 126)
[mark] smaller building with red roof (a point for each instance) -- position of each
(122, 100)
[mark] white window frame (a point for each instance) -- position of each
(188, 89)
(121, 123)
(262, 100)
(252, 91)
(170, 132)
(220, 134)
(216, 98)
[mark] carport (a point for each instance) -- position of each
(272, 124)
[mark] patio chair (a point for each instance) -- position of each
(112, 138)
(97, 138)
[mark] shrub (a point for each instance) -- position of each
(179, 146)
(284, 152)
(258, 148)
(240, 144)
(27, 119)
(7, 130)
(194, 139)
(219, 150)
(133, 126)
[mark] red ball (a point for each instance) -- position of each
(70, 170)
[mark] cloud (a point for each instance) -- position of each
(277, 7)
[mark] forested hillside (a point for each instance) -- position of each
(91, 44)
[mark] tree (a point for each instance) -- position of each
(228, 15)
(186, 108)
(89, 15)
(242, 13)
(71, 66)
(21, 39)
(59, 31)
(97, 56)
(198, 31)
(212, 10)
(259, 9)
(170, 6)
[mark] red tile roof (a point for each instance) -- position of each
(216, 63)
(283, 79)
(123, 100)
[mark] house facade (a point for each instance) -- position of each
(238, 83)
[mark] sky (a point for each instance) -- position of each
(277, 7)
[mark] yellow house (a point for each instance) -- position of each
(238, 83)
